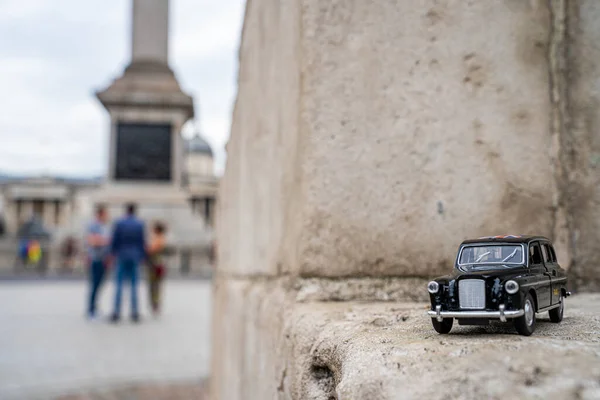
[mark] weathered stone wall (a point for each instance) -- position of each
(369, 138)
(259, 182)
(582, 148)
(418, 131)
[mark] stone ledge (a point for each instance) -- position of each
(342, 289)
(390, 351)
(364, 289)
(287, 349)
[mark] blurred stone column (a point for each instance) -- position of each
(150, 31)
(61, 214)
(26, 211)
(48, 214)
(10, 215)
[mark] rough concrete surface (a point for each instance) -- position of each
(424, 122)
(251, 359)
(389, 350)
(258, 186)
(378, 127)
(366, 289)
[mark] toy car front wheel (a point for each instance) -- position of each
(525, 324)
(442, 327)
(556, 314)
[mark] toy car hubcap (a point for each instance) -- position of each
(528, 313)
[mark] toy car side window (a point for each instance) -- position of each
(535, 255)
(553, 253)
(551, 256)
(546, 253)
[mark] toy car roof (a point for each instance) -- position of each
(505, 239)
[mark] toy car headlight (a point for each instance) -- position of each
(511, 287)
(433, 287)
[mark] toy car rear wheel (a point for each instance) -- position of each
(525, 324)
(442, 327)
(556, 314)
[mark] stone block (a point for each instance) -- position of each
(581, 160)
(385, 133)
(423, 123)
(259, 187)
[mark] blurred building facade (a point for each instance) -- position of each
(199, 178)
(65, 206)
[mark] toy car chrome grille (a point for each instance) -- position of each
(471, 294)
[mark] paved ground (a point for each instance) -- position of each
(48, 350)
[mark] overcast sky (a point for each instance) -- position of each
(55, 53)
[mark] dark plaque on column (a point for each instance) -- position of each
(143, 152)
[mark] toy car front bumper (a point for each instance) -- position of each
(501, 314)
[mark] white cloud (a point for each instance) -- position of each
(12, 9)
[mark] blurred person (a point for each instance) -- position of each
(23, 251)
(156, 264)
(128, 248)
(69, 253)
(98, 241)
(34, 252)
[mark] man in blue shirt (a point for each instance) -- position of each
(128, 246)
(98, 251)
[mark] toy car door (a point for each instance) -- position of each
(557, 274)
(542, 277)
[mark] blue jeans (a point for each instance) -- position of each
(126, 269)
(96, 276)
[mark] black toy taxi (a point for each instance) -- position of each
(500, 278)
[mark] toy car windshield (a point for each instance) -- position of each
(490, 256)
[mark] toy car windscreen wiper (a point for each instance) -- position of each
(481, 256)
(511, 255)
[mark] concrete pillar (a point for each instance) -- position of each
(26, 210)
(10, 215)
(18, 210)
(59, 211)
(150, 31)
(48, 214)
(66, 215)
(369, 138)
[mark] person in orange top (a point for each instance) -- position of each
(156, 264)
